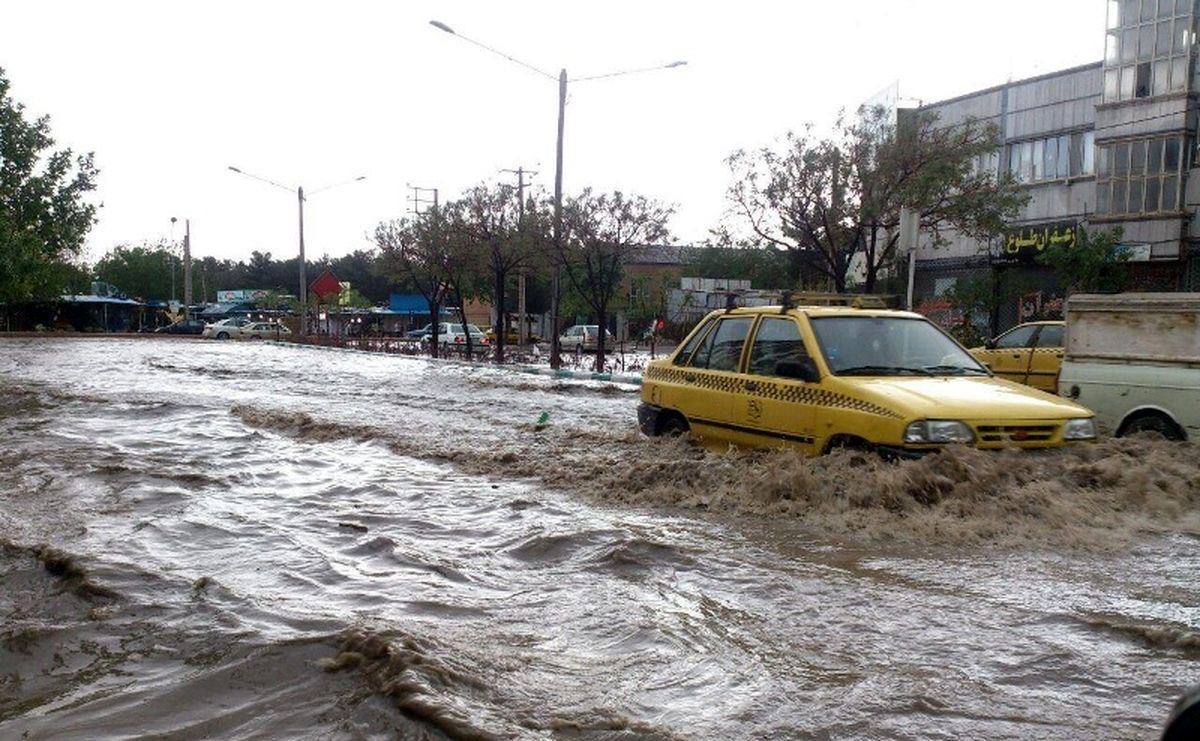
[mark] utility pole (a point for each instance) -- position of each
(522, 331)
(303, 269)
(555, 356)
(187, 268)
(418, 198)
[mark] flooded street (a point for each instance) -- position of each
(235, 540)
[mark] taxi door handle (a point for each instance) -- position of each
(689, 377)
(751, 386)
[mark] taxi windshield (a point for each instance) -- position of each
(890, 346)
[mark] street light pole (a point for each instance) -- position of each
(303, 292)
(555, 354)
(187, 268)
(555, 350)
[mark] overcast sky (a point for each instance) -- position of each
(313, 94)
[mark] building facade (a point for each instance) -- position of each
(1103, 145)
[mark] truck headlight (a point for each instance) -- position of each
(938, 431)
(1079, 429)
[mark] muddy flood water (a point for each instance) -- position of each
(225, 540)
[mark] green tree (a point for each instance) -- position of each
(600, 234)
(44, 216)
(146, 271)
(832, 203)
(422, 252)
(1096, 262)
(506, 236)
(764, 268)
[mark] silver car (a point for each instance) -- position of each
(226, 328)
(583, 337)
(263, 331)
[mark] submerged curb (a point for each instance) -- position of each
(635, 380)
(625, 378)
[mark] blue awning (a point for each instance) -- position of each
(410, 304)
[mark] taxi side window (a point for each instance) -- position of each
(1050, 336)
(1019, 337)
(681, 357)
(777, 338)
(722, 348)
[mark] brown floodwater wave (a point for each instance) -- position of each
(1096, 495)
(261, 541)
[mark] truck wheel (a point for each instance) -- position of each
(673, 426)
(1157, 424)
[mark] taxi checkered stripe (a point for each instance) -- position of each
(780, 392)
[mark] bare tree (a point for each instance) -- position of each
(421, 250)
(495, 222)
(827, 201)
(600, 233)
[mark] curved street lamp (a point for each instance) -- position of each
(555, 354)
(303, 295)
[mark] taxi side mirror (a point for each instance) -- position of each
(990, 344)
(805, 370)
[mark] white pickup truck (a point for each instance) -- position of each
(1134, 359)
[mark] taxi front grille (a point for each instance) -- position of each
(1015, 433)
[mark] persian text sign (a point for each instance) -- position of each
(1024, 244)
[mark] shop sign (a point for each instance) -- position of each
(1024, 244)
(242, 294)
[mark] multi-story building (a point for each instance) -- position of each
(1103, 145)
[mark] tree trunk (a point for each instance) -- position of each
(603, 318)
(462, 315)
(435, 308)
(499, 326)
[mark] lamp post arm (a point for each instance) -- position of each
(630, 72)
(259, 178)
(337, 185)
(443, 27)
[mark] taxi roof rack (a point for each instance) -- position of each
(792, 299)
(788, 299)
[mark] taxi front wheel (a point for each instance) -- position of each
(673, 426)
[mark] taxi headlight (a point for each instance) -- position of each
(1079, 429)
(938, 431)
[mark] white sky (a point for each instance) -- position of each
(168, 94)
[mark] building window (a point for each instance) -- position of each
(1139, 176)
(1147, 48)
(1052, 158)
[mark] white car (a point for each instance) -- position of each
(226, 328)
(584, 337)
(450, 336)
(263, 331)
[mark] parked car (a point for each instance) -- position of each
(1134, 358)
(450, 335)
(226, 328)
(583, 337)
(1028, 353)
(184, 326)
(419, 334)
(263, 331)
(817, 378)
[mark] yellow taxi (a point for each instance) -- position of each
(818, 377)
(1028, 353)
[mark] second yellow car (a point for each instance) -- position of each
(1028, 353)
